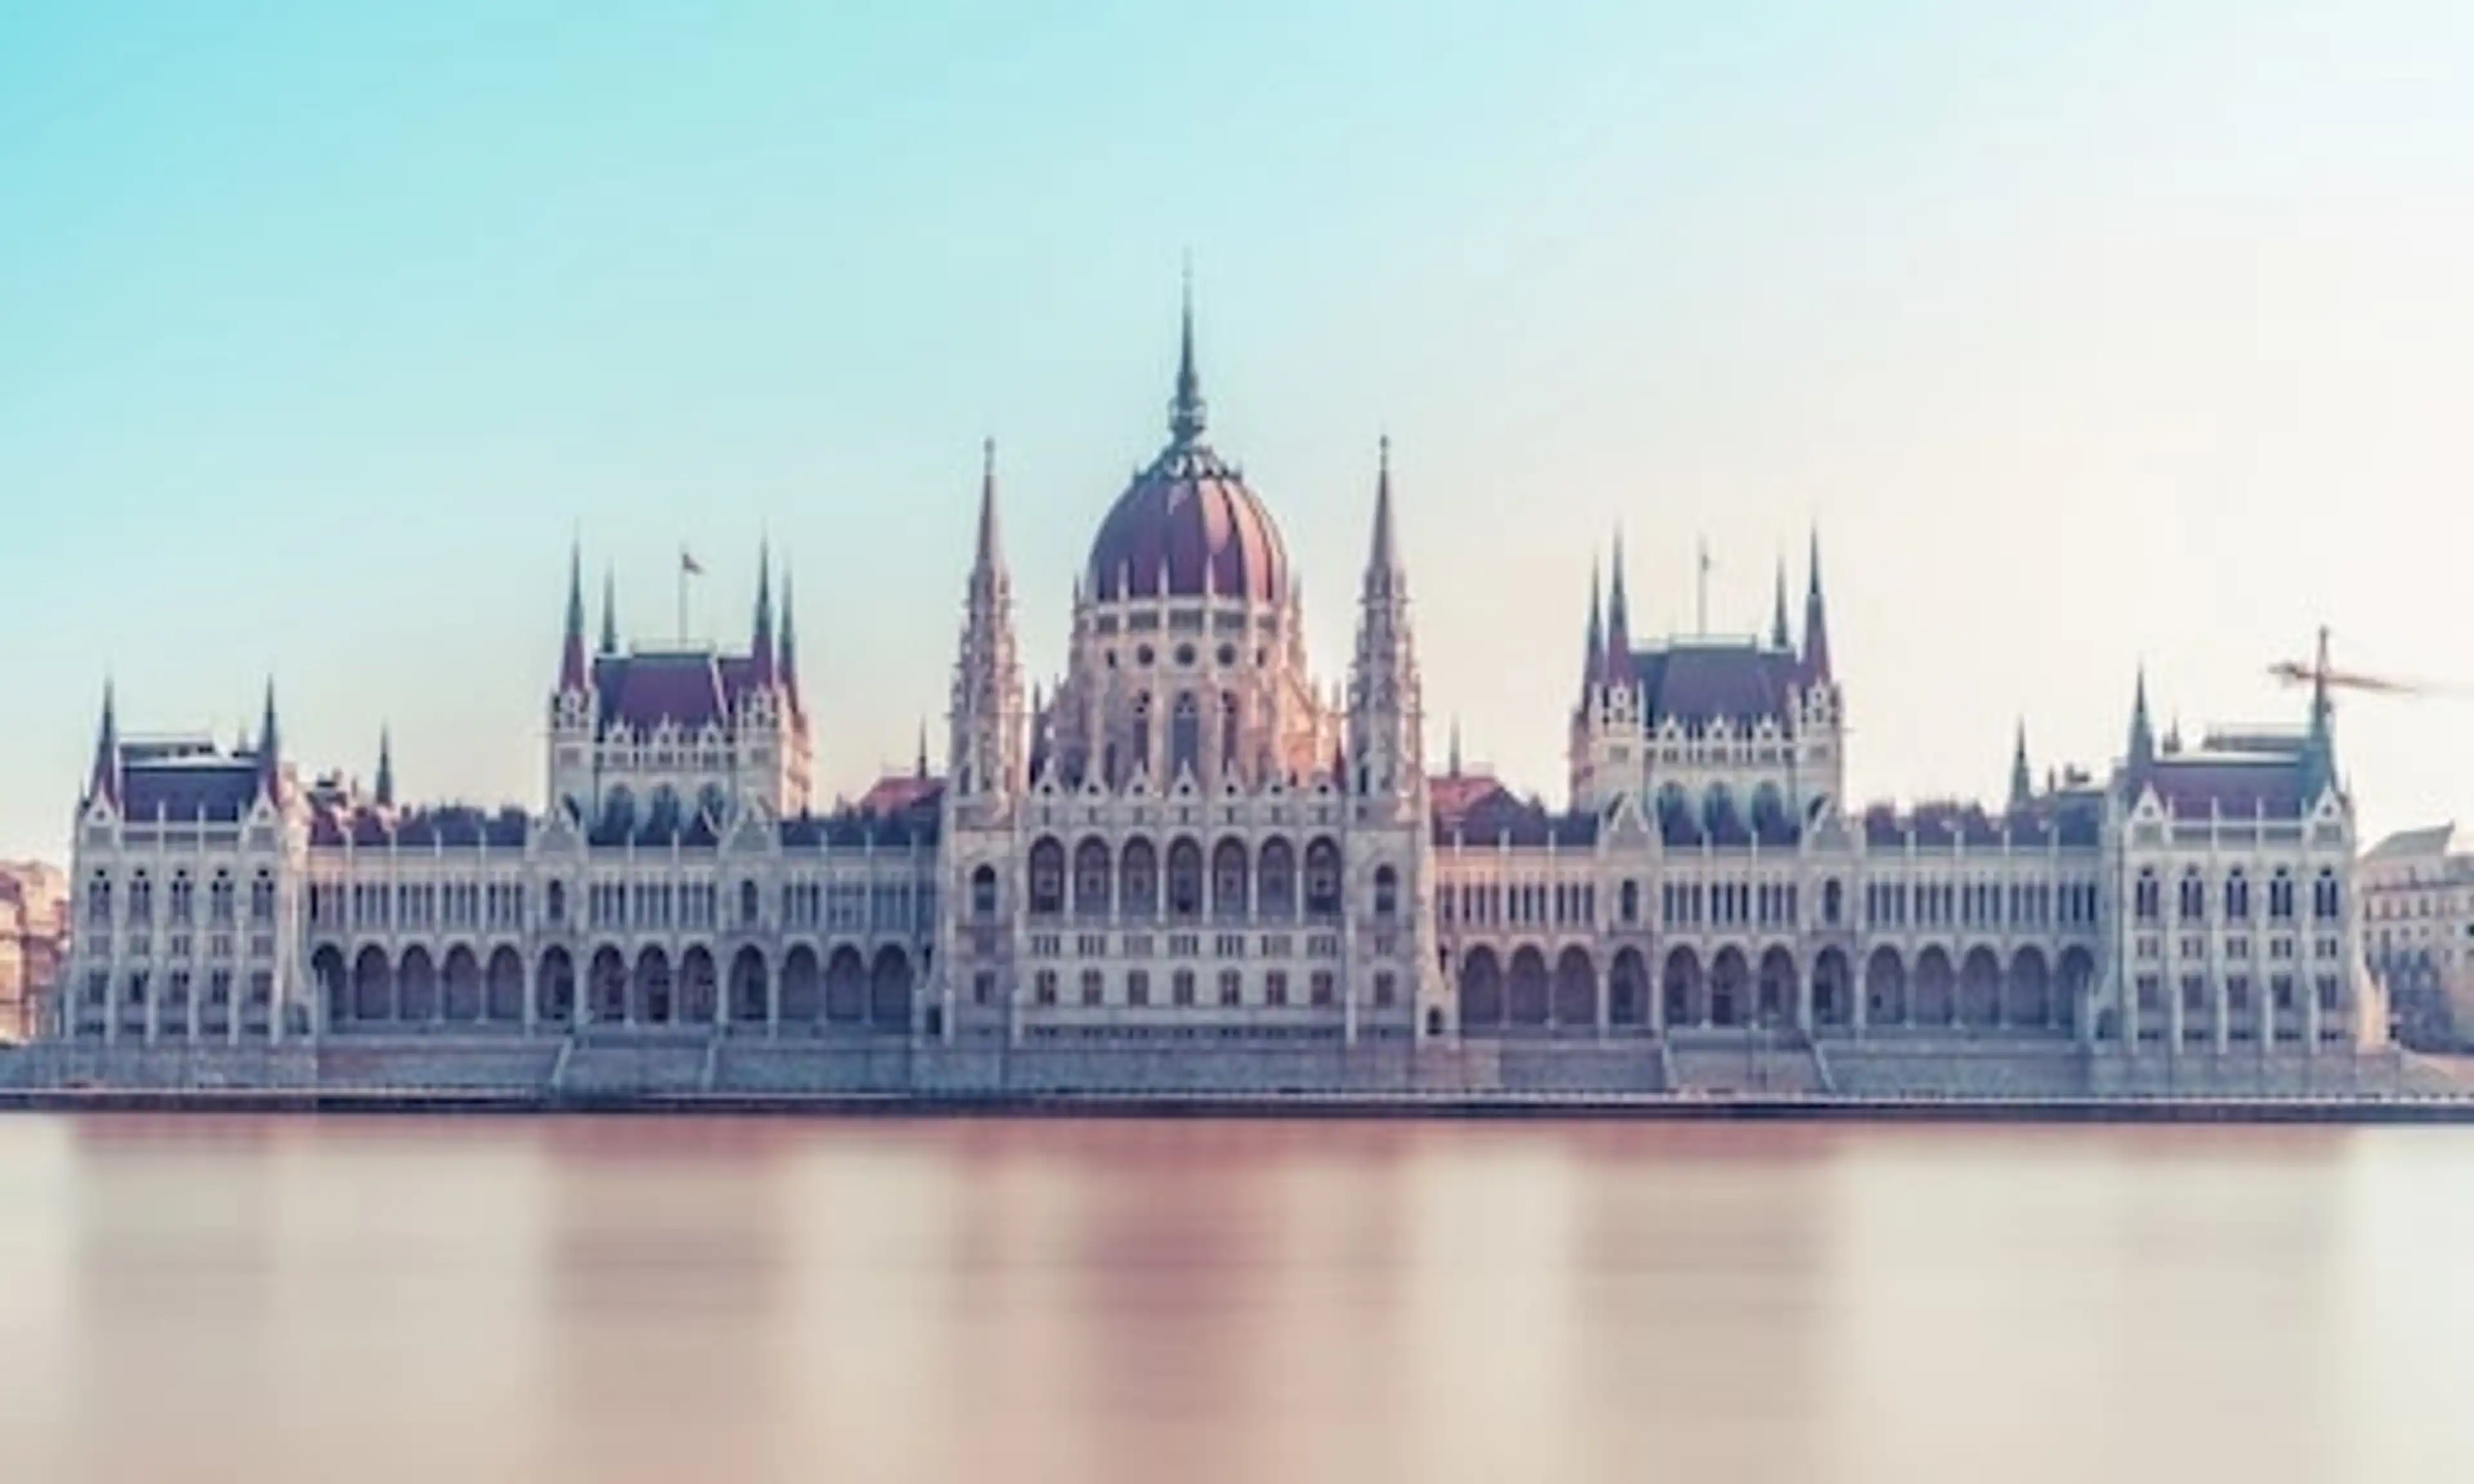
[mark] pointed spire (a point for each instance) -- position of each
(386, 768)
(1383, 554)
(104, 780)
(1593, 646)
(785, 665)
(760, 647)
(1618, 614)
(2143, 733)
(1385, 577)
(1816, 624)
(270, 747)
(1778, 635)
(609, 611)
(2023, 783)
(1185, 412)
(1454, 763)
(570, 654)
(987, 557)
(919, 764)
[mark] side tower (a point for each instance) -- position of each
(1390, 849)
(1606, 755)
(573, 706)
(983, 790)
(650, 741)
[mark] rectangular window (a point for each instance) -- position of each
(1093, 986)
(1181, 985)
(1138, 987)
(1044, 986)
(983, 988)
(1323, 982)
(1385, 991)
(1231, 988)
(1276, 988)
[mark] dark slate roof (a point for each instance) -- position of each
(688, 689)
(219, 788)
(850, 830)
(2072, 821)
(2235, 786)
(1491, 814)
(1697, 683)
(1689, 829)
(689, 829)
(447, 826)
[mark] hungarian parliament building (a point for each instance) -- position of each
(1184, 850)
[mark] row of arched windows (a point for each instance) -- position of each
(1274, 883)
(2192, 897)
(180, 900)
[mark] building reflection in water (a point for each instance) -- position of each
(626, 1300)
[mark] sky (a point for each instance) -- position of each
(2087, 337)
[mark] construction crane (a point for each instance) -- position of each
(2319, 672)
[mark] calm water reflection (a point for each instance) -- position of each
(620, 1299)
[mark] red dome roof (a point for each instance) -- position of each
(1188, 525)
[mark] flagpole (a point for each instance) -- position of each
(683, 597)
(1701, 595)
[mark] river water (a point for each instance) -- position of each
(615, 1300)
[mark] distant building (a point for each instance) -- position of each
(2418, 891)
(1190, 847)
(34, 942)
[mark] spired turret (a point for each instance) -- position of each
(1386, 709)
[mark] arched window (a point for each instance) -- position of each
(1717, 810)
(1769, 808)
(2194, 897)
(1387, 893)
(750, 904)
(98, 900)
(141, 900)
(221, 903)
(1047, 877)
(184, 894)
(1832, 903)
(2147, 897)
(1138, 881)
(663, 815)
(1229, 731)
(983, 894)
(2280, 896)
(1185, 879)
(1276, 880)
(1229, 879)
(262, 900)
(2237, 897)
(618, 810)
(1629, 903)
(1185, 737)
(1322, 879)
(1092, 868)
(2327, 898)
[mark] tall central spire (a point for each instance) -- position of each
(1185, 412)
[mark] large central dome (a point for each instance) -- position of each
(1188, 526)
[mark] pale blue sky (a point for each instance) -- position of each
(2101, 332)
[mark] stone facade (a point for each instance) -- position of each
(34, 940)
(2417, 889)
(1191, 862)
